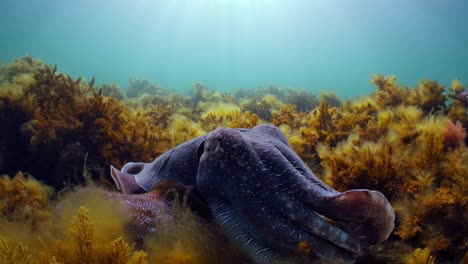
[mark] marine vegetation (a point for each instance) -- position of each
(331, 98)
(111, 90)
(89, 226)
(303, 99)
(408, 143)
(138, 87)
(419, 256)
(20, 66)
(62, 129)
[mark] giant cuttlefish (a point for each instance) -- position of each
(264, 198)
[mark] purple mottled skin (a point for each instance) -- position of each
(264, 197)
(463, 95)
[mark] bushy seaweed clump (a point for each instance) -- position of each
(57, 128)
(138, 87)
(331, 98)
(409, 143)
(24, 200)
(401, 142)
(26, 65)
(262, 106)
(111, 90)
(89, 226)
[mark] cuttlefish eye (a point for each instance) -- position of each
(212, 145)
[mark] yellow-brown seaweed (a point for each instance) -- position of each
(409, 143)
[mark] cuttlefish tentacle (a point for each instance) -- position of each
(265, 194)
(363, 207)
(241, 232)
(287, 185)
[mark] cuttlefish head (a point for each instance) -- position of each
(267, 201)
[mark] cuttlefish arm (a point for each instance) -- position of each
(266, 199)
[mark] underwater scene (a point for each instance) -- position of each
(219, 131)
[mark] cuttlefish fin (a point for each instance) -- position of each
(125, 182)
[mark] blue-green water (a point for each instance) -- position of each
(228, 44)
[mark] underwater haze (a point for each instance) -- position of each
(318, 45)
(184, 131)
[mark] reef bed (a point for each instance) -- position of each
(59, 133)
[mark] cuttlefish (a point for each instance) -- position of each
(264, 198)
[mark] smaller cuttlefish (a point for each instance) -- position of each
(263, 197)
(463, 95)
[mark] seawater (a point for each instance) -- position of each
(229, 44)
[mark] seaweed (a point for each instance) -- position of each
(388, 92)
(227, 115)
(112, 90)
(331, 98)
(138, 87)
(304, 100)
(185, 239)
(419, 256)
(429, 96)
(262, 106)
(14, 255)
(409, 143)
(82, 233)
(409, 163)
(318, 124)
(199, 93)
(432, 215)
(26, 65)
(202, 95)
(15, 110)
(138, 257)
(91, 227)
(355, 163)
(182, 129)
(289, 116)
(277, 92)
(24, 200)
(458, 108)
(117, 252)
(77, 127)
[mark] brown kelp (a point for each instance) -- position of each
(408, 143)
